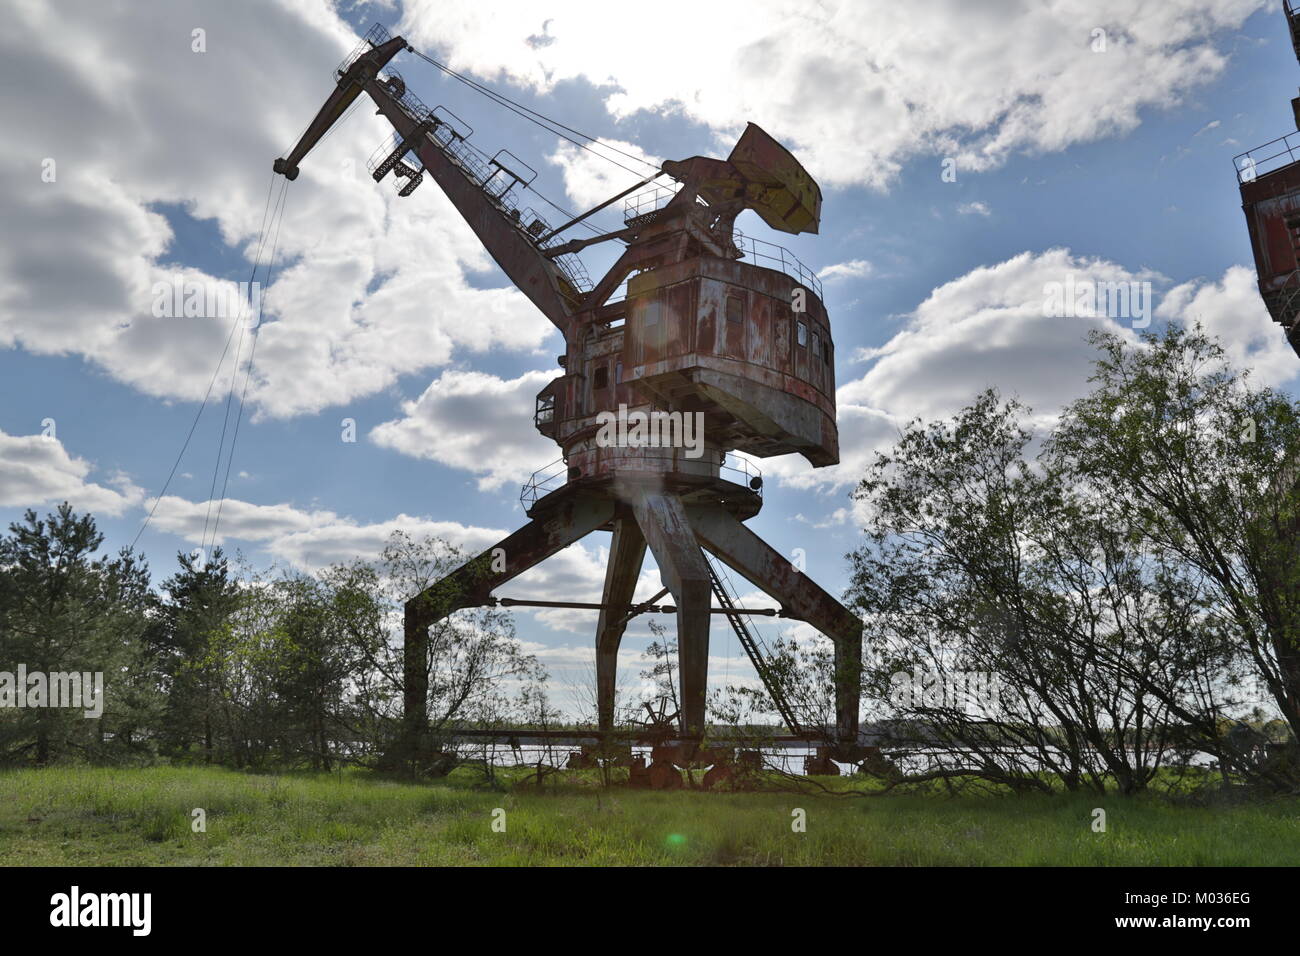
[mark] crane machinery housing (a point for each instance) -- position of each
(713, 324)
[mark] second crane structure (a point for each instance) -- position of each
(703, 330)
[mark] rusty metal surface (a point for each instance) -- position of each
(1269, 177)
(626, 554)
(470, 585)
(668, 532)
(362, 69)
(770, 394)
(779, 189)
(769, 570)
(1269, 203)
(520, 259)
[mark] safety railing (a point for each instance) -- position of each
(511, 167)
(535, 226)
(496, 177)
(534, 223)
(375, 36)
(383, 151)
(771, 256)
(543, 481)
(1283, 303)
(407, 100)
(393, 81)
(732, 468)
(574, 271)
(1270, 157)
(1293, 21)
(641, 205)
(742, 471)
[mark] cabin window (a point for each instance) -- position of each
(826, 352)
(618, 373)
(801, 334)
(735, 308)
(601, 377)
(545, 413)
(817, 344)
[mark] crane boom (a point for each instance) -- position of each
(518, 254)
(515, 248)
(354, 72)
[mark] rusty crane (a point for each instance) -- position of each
(1269, 177)
(712, 325)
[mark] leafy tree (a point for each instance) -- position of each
(1022, 621)
(193, 616)
(1203, 466)
(478, 674)
(65, 610)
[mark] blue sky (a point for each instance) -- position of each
(1102, 164)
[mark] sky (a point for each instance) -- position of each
(970, 155)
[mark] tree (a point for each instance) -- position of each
(1204, 466)
(478, 674)
(316, 662)
(1014, 624)
(63, 611)
(193, 617)
(661, 653)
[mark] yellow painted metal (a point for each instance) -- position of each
(777, 186)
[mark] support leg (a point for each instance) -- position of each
(669, 534)
(626, 552)
(766, 568)
(472, 583)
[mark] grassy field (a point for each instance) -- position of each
(76, 816)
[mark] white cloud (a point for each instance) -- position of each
(990, 328)
(36, 471)
(193, 520)
(322, 543)
(857, 89)
(987, 328)
(303, 538)
(837, 517)
(853, 269)
(590, 180)
(314, 539)
(1231, 309)
(975, 208)
(474, 421)
(368, 287)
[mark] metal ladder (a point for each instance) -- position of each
(751, 646)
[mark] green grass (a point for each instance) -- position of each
(84, 816)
